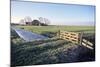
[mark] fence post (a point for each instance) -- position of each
(58, 34)
(80, 37)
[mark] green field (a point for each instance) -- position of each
(52, 50)
(41, 29)
(51, 31)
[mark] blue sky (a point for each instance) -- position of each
(58, 14)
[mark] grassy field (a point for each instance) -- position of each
(51, 31)
(52, 50)
(41, 29)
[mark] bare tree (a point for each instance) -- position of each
(28, 19)
(41, 19)
(44, 20)
(22, 22)
(47, 22)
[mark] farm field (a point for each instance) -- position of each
(52, 50)
(50, 31)
(41, 29)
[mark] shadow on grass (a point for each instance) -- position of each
(52, 53)
(48, 34)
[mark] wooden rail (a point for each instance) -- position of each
(70, 36)
(86, 43)
(75, 38)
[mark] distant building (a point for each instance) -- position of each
(28, 23)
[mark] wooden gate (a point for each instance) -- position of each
(75, 38)
(70, 36)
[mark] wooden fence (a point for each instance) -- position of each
(75, 38)
(87, 43)
(70, 36)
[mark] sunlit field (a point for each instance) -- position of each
(40, 29)
(52, 50)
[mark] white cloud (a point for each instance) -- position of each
(15, 19)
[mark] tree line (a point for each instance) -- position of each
(36, 22)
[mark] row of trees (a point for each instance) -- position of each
(37, 22)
